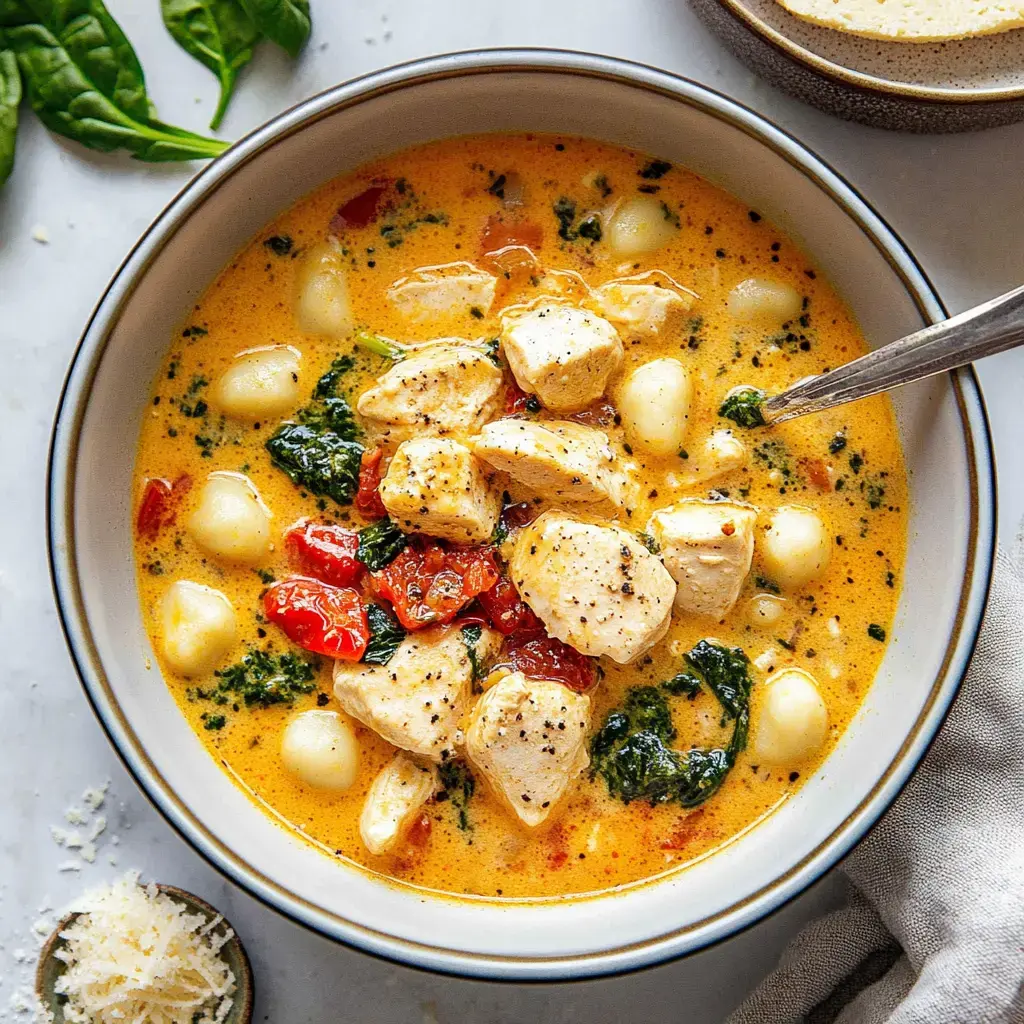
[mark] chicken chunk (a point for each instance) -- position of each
(555, 459)
(563, 355)
(707, 546)
(395, 795)
(438, 486)
(450, 290)
(595, 587)
(441, 389)
(642, 304)
(416, 699)
(528, 739)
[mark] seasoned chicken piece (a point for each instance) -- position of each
(416, 699)
(707, 546)
(721, 453)
(528, 738)
(438, 486)
(556, 459)
(595, 587)
(562, 354)
(394, 797)
(452, 290)
(445, 388)
(642, 304)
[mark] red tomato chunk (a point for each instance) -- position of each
(368, 500)
(428, 584)
(326, 552)
(361, 210)
(159, 506)
(539, 656)
(505, 609)
(324, 619)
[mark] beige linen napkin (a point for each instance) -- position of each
(934, 930)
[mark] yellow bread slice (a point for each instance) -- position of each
(912, 21)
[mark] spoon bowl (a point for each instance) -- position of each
(50, 968)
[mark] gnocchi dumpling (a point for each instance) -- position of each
(321, 748)
(260, 383)
(793, 722)
(765, 610)
(322, 300)
(759, 298)
(654, 403)
(230, 519)
(198, 627)
(641, 225)
(795, 546)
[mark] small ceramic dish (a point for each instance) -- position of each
(962, 85)
(942, 426)
(50, 968)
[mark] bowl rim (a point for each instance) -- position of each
(863, 81)
(74, 399)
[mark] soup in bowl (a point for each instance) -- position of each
(471, 583)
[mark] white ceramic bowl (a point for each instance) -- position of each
(944, 435)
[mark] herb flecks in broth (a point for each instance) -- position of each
(467, 242)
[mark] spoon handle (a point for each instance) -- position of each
(994, 326)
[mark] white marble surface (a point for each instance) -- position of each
(956, 200)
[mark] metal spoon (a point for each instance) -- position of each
(992, 327)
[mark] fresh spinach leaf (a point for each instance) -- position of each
(219, 34)
(631, 750)
(334, 415)
(380, 544)
(84, 81)
(10, 97)
(318, 460)
(285, 22)
(327, 385)
(386, 635)
(725, 672)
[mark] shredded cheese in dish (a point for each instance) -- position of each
(136, 956)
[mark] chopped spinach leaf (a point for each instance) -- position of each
(649, 542)
(565, 213)
(743, 407)
(763, 583)
(261, 679)
(380, 544)
(590, 228)
(856, 462)
(279, 245)
(471, 637)
(327, 385)
(655, 169)
(492, 348)
(458, 786)
(837, 444)
(317, 459)
(334, 415)
(685, 684)
(214, 722)
(876, 632)
(386, 635)
(497, 187)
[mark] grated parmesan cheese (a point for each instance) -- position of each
(136, 956)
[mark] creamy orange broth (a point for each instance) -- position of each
(593, 842)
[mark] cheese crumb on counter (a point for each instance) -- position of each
(136, 956)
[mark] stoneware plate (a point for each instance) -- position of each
(50, 968)
(955, 86)
(943, 428)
